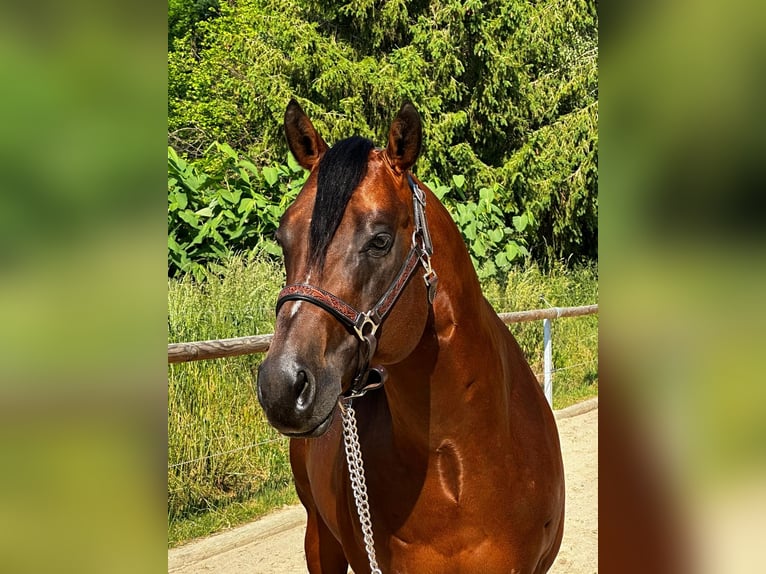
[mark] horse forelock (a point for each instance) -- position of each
(340, 171)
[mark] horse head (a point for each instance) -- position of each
(352, 240)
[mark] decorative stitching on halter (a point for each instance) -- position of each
(331, 303)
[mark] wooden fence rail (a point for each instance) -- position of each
(218, 348)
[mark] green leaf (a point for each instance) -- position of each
(293, 164)
(191, 182)
(520, 222)
(237, 232)
(248, 165)
(178, 164)
(495, 209)
(486, 194)
(181, 199)
(173, 244)
(244, 175)
(226, 149)
(226, 195)
(459, 181)
(246, 205)
(217, 238)
(470, 231)
(511, 250)
(205, 212)
(495, 235)
(271, 247)
(270, 174)
(189, 217)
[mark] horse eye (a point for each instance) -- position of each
(379, 245)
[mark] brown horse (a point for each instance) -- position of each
(460, 448)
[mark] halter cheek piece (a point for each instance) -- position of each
(364, 326)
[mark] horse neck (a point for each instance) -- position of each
(457, 355)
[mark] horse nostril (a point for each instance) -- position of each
(303, 390)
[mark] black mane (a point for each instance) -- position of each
(341, 169)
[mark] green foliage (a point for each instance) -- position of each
(225, 204)
(183, 15)
(212, 407)
(507, 90)
(492, 245)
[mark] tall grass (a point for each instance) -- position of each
(222, 455)
(226, 464)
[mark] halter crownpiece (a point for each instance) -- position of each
(364, 326)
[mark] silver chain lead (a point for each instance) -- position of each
(358, 484)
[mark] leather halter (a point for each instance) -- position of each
(364, 325)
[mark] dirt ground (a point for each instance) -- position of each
(274, 544)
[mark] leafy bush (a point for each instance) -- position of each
(225, 205)
(508, 91)
(493, 245)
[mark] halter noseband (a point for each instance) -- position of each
(364, 326)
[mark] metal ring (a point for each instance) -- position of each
(419, 245)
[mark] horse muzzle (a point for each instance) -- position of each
(296, 401)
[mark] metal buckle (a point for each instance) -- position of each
(421, 242)
(362, 322)
(373, 378)
(431, 279)
(425, 261)
(363, 391)
(419, 194)
(419, 246)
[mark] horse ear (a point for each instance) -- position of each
(304, 141)
(405, 138)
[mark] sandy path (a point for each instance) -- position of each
(274, 544)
